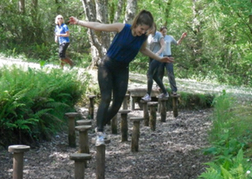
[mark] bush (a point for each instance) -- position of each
(230, 138)
(33, 102)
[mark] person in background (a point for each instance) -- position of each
(156, 44)
(113, 71)
(62, 37)
(168, 39)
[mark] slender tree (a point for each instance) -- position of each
(97, 10)
(21, 6)
(130, 11)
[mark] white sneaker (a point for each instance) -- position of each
(104, 134)
(146, 97)
(100, 139)
(162, 95)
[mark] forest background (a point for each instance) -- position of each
(217, 48)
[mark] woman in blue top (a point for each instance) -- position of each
(62, 37)
(113, 71)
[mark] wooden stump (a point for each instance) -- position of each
(100, 162)
(83, 138)
(125, 101)
(79, 164)
(153, 114)
(135, 133)
(163, 110)
(84, 122)
(175, 104)
(137, 93)
(133, 100)
(18, 159)
(91, 107)
(145, 112)
(71, 125)
(124, 124)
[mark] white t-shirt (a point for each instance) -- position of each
(153, 42)
(168, 41)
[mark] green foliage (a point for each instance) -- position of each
(235, 167)
(231, 124)
(217, 48)
(32, 33)
(195, 101)
(33, 102)
(230, 138)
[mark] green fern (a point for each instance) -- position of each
(211, 173)
(34, 101)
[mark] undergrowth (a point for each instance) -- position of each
(33, 102)
(230, 137)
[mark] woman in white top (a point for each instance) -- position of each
(167, 53)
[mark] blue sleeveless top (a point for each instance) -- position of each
(125, 46)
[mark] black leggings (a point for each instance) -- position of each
(153, 74)
(62, 50)
(113, 79)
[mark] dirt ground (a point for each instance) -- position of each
(172, 151)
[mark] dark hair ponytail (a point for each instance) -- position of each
(144, 17)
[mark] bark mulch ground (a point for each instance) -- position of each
(172, 151)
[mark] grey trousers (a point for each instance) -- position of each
(170, 74)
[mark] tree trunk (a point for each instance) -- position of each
(97, 10)
(21, 6)
(167, 11)
(118, 11)
(196, 25)
(130, 11)
(34, 6)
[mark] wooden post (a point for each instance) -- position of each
(125, 101)
(71, 125)
(79, 161)
(84, 122)
(145, 113)
(124, 124)
(18, 159)
(83, 138)
(153, 114)
(114, 125)
(175, 104)
(163, 110)
(135, 133)
(132, 102)
(159, 105)
(91, 107)
(100, 161)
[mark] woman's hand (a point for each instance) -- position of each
(184, 34)
(167, 59)
(73, 20)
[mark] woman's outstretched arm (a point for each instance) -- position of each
(115, 27)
